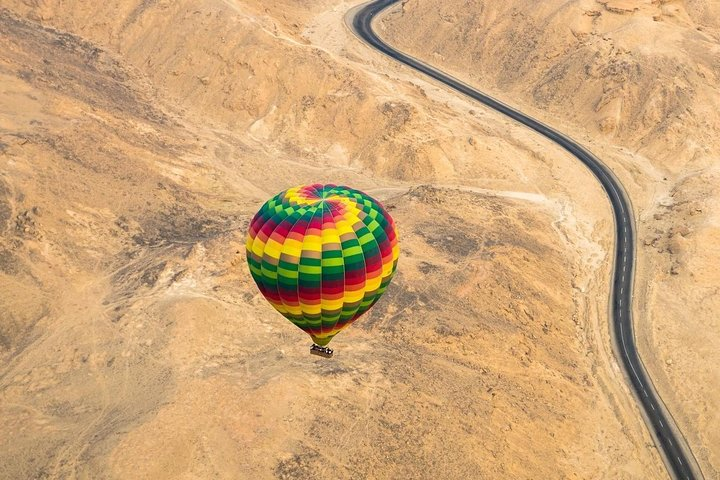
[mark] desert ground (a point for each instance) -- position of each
(138, 139)
(644, 77)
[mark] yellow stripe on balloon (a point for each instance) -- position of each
(292, 247)
(273, 249)
(312, 243)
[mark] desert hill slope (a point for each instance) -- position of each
(136, 141)
(639, 82)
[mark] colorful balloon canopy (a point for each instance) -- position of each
(322, 255)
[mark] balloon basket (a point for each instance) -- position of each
(321, 351)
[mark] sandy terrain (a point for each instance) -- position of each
(136, 141)
(644, 78)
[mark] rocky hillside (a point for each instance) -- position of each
(136, 141)
(637, 81)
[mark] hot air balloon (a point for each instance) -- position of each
(322, 255)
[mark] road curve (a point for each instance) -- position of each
(660, 424)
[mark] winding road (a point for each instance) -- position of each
(676, 454)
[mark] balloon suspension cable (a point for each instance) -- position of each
(326, 352)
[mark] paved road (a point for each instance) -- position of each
(663, 430)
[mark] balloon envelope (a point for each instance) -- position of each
(322, 255)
